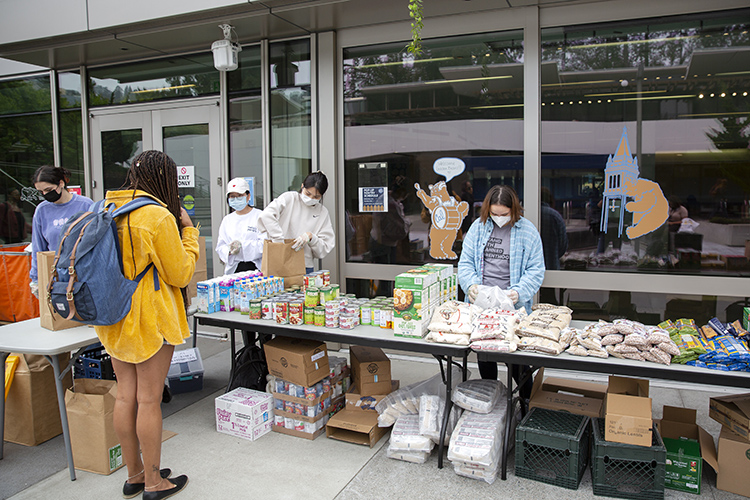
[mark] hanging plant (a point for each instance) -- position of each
(415, 12)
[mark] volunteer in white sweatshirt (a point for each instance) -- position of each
(240, 245)
(301, 216)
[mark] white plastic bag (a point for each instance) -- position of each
(477, 439)
(405, 436)
(493, 296)
(415, 457)
(478, 396)
(687, 225)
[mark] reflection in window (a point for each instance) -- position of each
(71, 131)
(463, 98)
(648, 308)
(25, 145)
(119, 148)
(290, 110)
(169, 78)
(246, 120)
(677, 92)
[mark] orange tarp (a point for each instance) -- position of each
(16, 301)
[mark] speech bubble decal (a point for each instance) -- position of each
(449, 167)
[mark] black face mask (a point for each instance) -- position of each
(52, 196)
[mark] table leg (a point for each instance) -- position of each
(195, 331)
(3, 357)
(465, 367)
(448, 378)
(508, 423)
(59, 374)
(233, 354)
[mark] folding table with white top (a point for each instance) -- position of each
(28, 337)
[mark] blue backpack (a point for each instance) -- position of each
(87, 282)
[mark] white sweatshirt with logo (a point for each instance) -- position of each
(288, 217)
(242, 228)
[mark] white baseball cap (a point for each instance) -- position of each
(238, 185)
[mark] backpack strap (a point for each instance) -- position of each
(73, 276)
(53, 272)
(135, 204)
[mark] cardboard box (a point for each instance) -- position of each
(627, 411)
(733, 463)
(371, 370)
(581, 398)
(358, 422)
(410, 327)
(688, 445)
(201, 268)
(244, 413)
(733, 412)
(32, 415)
(48, 319)
(303, 362)
(90, 407)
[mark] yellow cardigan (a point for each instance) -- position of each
(155, 316)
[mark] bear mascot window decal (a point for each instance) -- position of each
(649, 207)
(446, 213)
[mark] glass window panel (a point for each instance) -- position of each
(245, 120)
(648, 308)
(119, 148)
(71, 130)
(25, 145)
(188, 145)
(290, 115)
(168, 78)
(644, 124)
(463, 98)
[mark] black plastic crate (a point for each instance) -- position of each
(625, 470)
(553, 447)
(94, 363)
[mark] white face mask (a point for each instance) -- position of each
(238, 203)
(310, 202)
(500, 220)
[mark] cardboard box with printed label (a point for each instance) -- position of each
(734, 463)
(410, 327)
(688, 445)
(627, 411)
(48, 319)
(371, 370)
(244, 413)
(732, 412)
(358, 422)
(581, 398)
(303, 362)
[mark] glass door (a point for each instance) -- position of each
(188, 134)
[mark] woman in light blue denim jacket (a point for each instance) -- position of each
(502, 249)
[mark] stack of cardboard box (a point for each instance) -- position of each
(733, 461)
(371, 382)
(417, 294)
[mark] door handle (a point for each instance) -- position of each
(219, 182)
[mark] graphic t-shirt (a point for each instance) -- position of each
(497, 258)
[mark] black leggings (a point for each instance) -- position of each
(488, 370)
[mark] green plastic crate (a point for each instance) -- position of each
(552, 447)
(625, 470)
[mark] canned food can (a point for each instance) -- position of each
(282, 312)
(386, 317)
(325, 294)
(289, 422)
(312, 297)
(336, 290)
(365, 314)
(295, 312)
(320, 316)
(309, 315)
(255, 309)
(278, 404)
(299, 425)
(375, 318)
(312, 411)
(278, 420)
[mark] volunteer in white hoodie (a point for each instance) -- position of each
(301, 216)
(240, 245)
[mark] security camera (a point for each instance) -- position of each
(225, 51)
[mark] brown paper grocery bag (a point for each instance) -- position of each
(32, 415)
(91, 406)
(280, 259)
(47, 319)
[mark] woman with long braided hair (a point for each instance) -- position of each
(142, 343)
